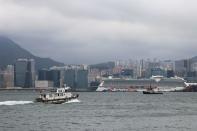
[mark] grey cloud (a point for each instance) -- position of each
(91, 31)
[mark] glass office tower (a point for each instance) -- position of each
(25, 73)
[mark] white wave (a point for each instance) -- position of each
(10, 103)
(73, 101)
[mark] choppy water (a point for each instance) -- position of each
(100, 112)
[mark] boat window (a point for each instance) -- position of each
(59, 91)
(50, 95)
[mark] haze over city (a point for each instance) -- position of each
(94, 31)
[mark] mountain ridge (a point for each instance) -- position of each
(11, 51)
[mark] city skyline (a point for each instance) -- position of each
(98, 65)
(97, 31)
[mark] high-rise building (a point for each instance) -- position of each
(25, 73)
(70, 78)
(77, 79)
(43, 74)
(55, 77)
(1, 79)
(194, 66)
(9, 77)
(82, 79)
(182, 67)
(50, 75)
(142, 69)
(127, 73)
(169, 73)
(157, 72)
(74, 76)
(168, 65)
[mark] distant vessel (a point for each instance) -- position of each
(60, 96)
(152, 91)
(140, 85)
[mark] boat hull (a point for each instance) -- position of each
(152, 92)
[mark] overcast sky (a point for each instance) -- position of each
(92, 31)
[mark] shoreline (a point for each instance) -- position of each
(36, 89)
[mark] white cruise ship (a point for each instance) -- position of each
(159, 82)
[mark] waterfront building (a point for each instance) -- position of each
(8, 77)
(127, 73)
(157, 72)
(170, 73)
(182, 67)
(74, 76)
(43, 84)
(25, 73)
(142, 69)
(43, 74)
(82, 79)
(55, 77)
(93, 74)
(168, 65)
(194, 66)
(50, 75)
(70, 78)
(1, 79)
(77, 79)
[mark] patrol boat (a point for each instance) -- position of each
(61, 95)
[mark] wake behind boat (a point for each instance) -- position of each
(60, 96)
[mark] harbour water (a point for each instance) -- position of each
(100, 112)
